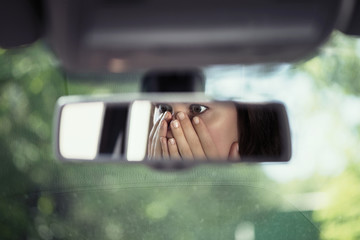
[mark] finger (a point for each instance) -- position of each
(163, 127)
(181, 142)
(164, 148)
(234, 152)
(167, 117)
(160, 131)
(173, 149)
(205, 138)
(191, 136)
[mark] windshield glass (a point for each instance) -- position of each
(314, 196)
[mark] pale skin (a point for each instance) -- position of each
(194, 131)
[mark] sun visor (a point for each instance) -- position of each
(102, 36)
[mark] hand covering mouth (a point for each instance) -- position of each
(169, 134)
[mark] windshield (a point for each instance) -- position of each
(314, 196)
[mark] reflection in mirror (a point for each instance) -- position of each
(138, 127)
(168, 131)
(80, 130)
(216, 131)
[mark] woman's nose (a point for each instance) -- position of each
(177, 108)
(174, 115)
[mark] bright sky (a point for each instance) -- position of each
(322, 122)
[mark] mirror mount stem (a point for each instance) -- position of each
(189, 80)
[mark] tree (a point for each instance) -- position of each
(338, 67)
(340, 219)
(43, 198)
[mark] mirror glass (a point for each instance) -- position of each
(149, 130)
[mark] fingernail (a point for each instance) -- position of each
(167, 115)
(196, 120)
(181, 115)
(172, 141)
(163, 140)
(175, 124)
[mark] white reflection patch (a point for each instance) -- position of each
(80, 127)
(138, 130)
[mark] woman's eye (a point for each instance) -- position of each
(197, 108)
(164, 107)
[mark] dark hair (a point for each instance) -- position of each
(258, 129)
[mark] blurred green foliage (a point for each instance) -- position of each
(340, 219)
(28, 84)
(338, 67)
(41, 198)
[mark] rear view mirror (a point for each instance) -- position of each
(154, 129)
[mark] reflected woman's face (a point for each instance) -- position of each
(220, 119)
